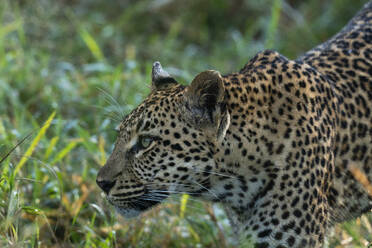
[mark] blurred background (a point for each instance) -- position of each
(70, 69)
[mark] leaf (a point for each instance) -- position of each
(273, 26)
(32, 210)
(65, 151)
(52, 144)
(34, 143)
(91, 44)
(13, 204)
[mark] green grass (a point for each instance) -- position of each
(89, 62)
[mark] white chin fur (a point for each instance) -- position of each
(128, 213)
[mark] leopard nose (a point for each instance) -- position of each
(105, 185)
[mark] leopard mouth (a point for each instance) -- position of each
(133, 207)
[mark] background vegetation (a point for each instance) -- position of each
(69, 69)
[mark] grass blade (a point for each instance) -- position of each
(273, 26)
(65, 151)
(18, 144)
(184, 199)
(34, 143)
(52, 144)
(101, 148)
(91, 44)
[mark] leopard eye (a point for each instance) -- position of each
(145, 141)
(143, 144)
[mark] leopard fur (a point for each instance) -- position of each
(279, 143)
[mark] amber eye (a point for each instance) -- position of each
(145, 141)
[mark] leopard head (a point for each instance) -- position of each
(167, 144)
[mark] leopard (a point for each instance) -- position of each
(285, 146)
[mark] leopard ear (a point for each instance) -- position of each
(205, 103)
(160, 78)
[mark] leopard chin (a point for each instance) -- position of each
(135, 207)
(128, 213)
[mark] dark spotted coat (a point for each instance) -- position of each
(280, 144)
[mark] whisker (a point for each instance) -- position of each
(172, 201)
(171, 192)
(157, 199)
(112, 111)
(142, 202)
(110, 115)
(190, 199)
(170, 184)
(167, 183)
(215, 173)
(113, 102)
(206, 189)
(188, 206)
